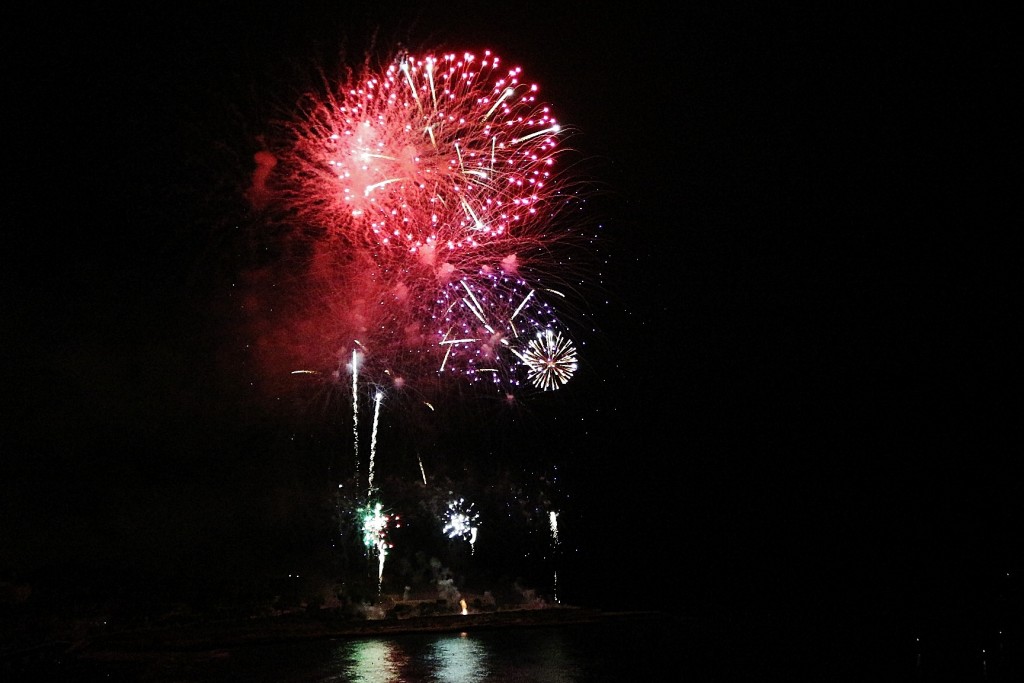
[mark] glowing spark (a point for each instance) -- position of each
(458, 341)
(520, 306)
(552, 129)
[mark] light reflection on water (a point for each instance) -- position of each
(459, 659)
(581, 653)
(634, 649)
(448, 659)
(370, 661)
(542, 656)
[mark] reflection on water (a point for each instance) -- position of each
(445, 659)
(371, 661)
(459, 659)
(642, 649)
(543, 656)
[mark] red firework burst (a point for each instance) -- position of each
(429, 156)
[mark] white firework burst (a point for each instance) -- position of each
(550, 360)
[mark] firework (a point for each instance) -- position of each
(417, 208)
(461, 521)
(491, 328)
(437, 153)
(375, 525)
(550, 358)
(487, 328)
(428, 190)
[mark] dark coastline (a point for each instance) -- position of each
(286, 628)
(204, 638)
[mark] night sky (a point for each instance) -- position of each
(796, 384)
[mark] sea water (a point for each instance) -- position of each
(640, 647)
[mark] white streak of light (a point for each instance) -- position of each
(373, 436)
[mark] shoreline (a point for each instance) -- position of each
(195, 639)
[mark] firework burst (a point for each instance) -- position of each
(550, 359)
(432, 154)
(461, 521)
(374, 526)
(483, 321)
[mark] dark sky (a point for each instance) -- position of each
(798, 384)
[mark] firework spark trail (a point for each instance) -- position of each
(355, 409)
(423, 472)
(553, 520)
(373, 439)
